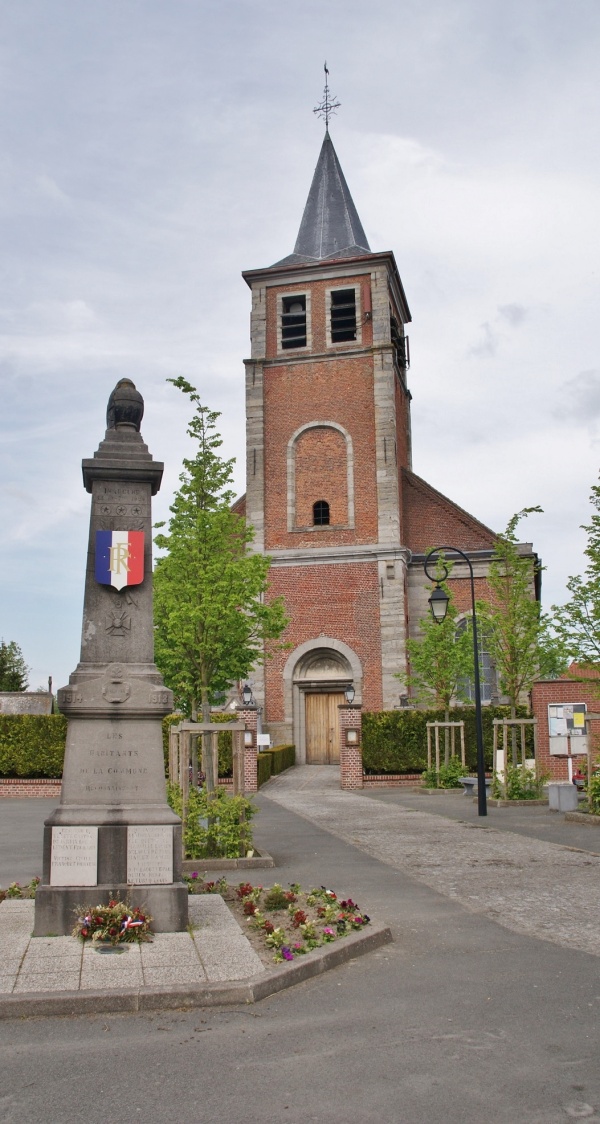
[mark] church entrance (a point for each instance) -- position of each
(319, 681)
(323, 728)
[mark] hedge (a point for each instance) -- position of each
(395, 741)
(32, 745)
(282, 757)
(263, 768)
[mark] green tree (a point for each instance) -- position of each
(577, 624)
(14, 673)
(441, 659)
(212, 612)
(517, 634)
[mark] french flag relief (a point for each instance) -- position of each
(119, 558)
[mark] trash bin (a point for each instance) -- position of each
(562, 797)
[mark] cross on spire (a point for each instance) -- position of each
(329, 104)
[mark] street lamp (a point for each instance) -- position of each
(247, 694)
(438, 603)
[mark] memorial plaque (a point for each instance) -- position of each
(149, 855)
(74, 856)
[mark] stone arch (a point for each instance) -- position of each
(323, 452)
(319, 664)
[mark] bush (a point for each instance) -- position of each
(32, 745)
(448, 776)
(521, 784)
(395, 741)
(216, 828)
(593, 790)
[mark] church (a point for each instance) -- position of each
(331, 493)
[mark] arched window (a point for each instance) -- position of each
(487, 671)
(321, 513)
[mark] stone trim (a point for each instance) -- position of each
(307, 294)
(329, 555)
(294, 688)
(344, 345)
(291, 475)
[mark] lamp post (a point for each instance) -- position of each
(438, 603)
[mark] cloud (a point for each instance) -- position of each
(581, 398)
(515, 314)
(488, 344)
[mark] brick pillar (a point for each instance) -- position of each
(249, 715)
(351, 767)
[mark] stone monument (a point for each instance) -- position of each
(114, 833)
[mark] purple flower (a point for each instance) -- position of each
(287, 953)
(195, 874)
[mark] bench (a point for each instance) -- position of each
(470, 785)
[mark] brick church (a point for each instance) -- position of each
(330, 489)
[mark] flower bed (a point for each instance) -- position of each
(16, 890)
(283, 924)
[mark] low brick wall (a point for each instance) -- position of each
(392, 780)
(29, 786)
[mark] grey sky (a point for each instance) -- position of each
(151, 150)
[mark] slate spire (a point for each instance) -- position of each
(330, 226)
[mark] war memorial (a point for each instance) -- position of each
(113, 829)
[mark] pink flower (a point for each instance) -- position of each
(330, 932)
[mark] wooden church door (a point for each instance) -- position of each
(323, 729)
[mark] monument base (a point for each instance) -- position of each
(56, 907)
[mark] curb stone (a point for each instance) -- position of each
(261, 860)
(583, 817)
(107, 1001)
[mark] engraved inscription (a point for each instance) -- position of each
(74, 856)
(149, 855)
(160, 697)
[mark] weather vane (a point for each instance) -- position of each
(329, 105)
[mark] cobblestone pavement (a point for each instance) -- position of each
(536, 888)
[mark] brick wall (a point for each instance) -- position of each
(318, 315)
(27, 786)
(321, 473)
(331, 600)
(296, 394)
(548, 691)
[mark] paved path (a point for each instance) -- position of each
(530, 886)
(214, 951)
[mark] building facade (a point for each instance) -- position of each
(330, 489)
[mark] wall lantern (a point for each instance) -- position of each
(247, 694)
(349, 694)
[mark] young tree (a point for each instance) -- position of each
(212, 613)
(516, 632)
(14, 673)
(441, 660)
(577, 624)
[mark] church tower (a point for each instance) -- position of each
(328, 439)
